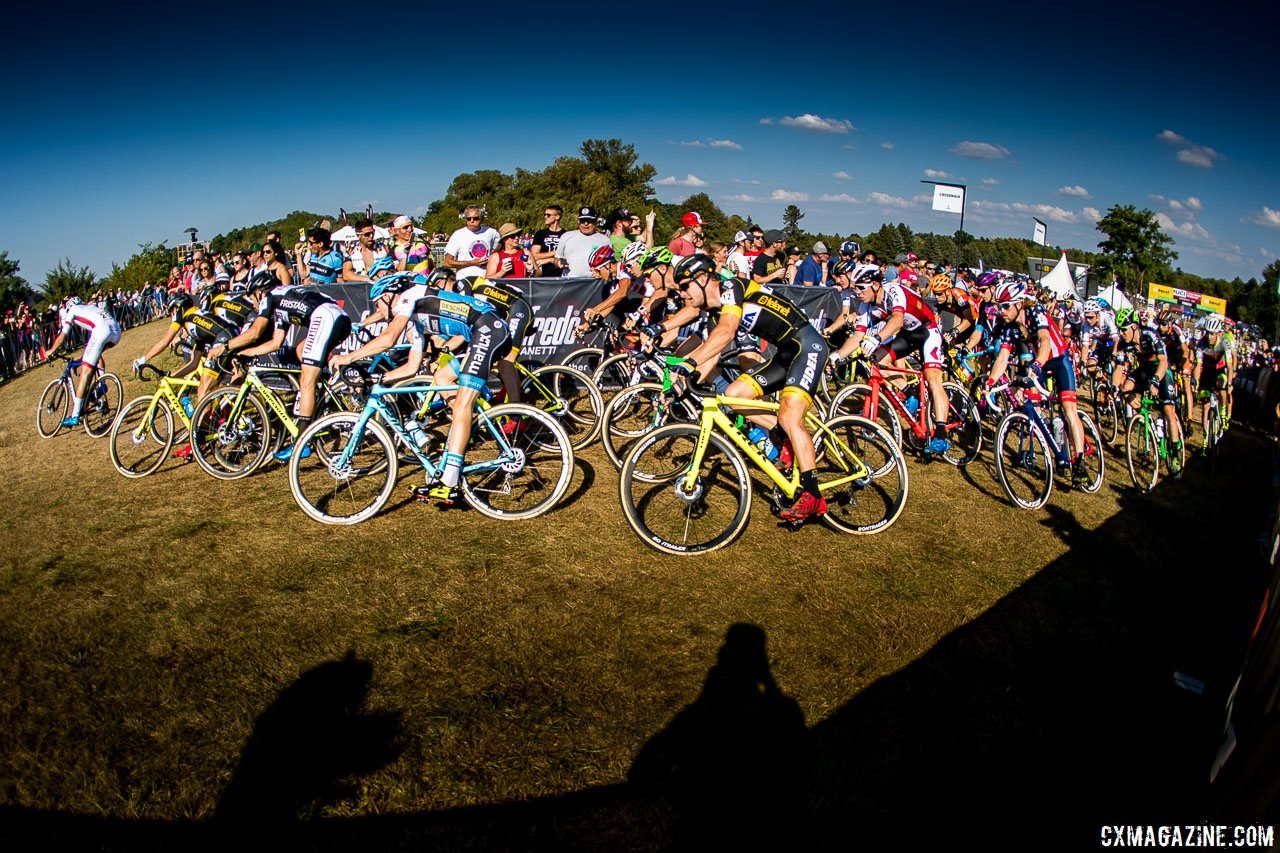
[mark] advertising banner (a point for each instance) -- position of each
(1187, 299)
(1040, 233)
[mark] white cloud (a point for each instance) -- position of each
(1190, 152)
(1193, 203)
(1048, 211)
(980, 150)
(991, 182)
(1091, 213)
(936, 174)
(818, 124)
(693, 144)
(923, 198)
(1265, 252)
(842, 176)
(788, 195)
(843, 198)
(689, 180)
(887, 146)
(1075, 192)
(1190, 230)
(1266, 217)
(740, 197)
(766, 120)
(886, 200)
(724, 143)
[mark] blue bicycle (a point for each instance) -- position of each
(102, 400)
(345, 465)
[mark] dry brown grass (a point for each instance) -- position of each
(150, 624)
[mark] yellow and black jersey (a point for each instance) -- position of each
(236, 309)
(763, 312)
(203, 327)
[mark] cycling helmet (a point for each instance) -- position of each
(179, 302)
(694, 264)
(1092, 306)
(657, 258)
(601, 256)
(988, 279)
(940, 283)
(1103, 303)
(850, 247)
(263, 280)
(382, 266)
(868, 274)
(440, 278)
(394, 283)
(1167, 317)
(634, 253)
(1125, 318)
(844, 266)
(1213, 324)
(1014, 291)
(74, 300)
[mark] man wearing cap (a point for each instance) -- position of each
(771, 265)
(812, 271)
(468, 248)
(690, 235)
(741, 258)
(618, 225)
(575, 248)
(411, 252)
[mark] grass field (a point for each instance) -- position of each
(189, 659)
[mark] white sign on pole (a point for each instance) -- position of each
(948, 199)
(1040, 232)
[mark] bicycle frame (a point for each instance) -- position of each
(881, 386)
(1145, 406)
(170, 387)
(713, 417)
(1029, 408)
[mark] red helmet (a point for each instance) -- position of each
(600, 257)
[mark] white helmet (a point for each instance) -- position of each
(634, 252)
(1213, 324)
(74, 300)
(1091, 306)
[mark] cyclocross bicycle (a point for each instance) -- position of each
(143, 432)
(101, 404)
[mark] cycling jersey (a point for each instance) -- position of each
(1103, 332)
(510, 305)
(438, 312)
(203, 328)
(1146, 348)
(800, 351)
(234, 308)
(1059, 364)
(897, 299)
(290, 305)
(103, 329)
(1175, 344)
(326, 268)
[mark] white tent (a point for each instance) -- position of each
(1059, 280)
(1115, 298)
(347, 234)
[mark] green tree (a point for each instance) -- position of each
(66, 280)
(13, 287)
(1135, 245)
(791, 216)
(149, 265)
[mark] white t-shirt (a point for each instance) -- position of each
(468, 245)
(576, 248)
(740, 264)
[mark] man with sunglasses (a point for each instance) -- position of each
(546, 239)
(469, 247)
(324, 265)
(411, 252)
(367, 251)
(1024, 322)
(796, 365)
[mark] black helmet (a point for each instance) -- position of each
(440, 278)
(694, 264)
(844, 266)
(263, 280)
(179, 302)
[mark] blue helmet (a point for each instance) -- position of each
(394, 283)
(382, 266)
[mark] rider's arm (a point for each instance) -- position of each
(380, 344)
(709, 350)
(276, 341)
(687, 314)
(165, 340)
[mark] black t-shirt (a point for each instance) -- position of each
(764, 266)
(546, 240)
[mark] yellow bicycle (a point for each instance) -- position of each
(685, 488)
(142, 433)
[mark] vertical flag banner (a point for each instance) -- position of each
(1040, 234)
(948, 198)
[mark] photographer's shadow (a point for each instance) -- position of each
(734, 766)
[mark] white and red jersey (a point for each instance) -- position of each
(1036, 318)
(899, 299)
(85, 315)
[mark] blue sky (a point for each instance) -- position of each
(127, 127)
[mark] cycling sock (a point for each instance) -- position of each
(510, 381)
(809, 482)
(76, 403)
(939, 431)
(303, 423)
(452, 469)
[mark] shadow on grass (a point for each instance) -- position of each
(585, 483)
(1056, 710)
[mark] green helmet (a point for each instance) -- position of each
(657, 258)
(1125, 318)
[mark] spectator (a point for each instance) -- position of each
(720, 254)
(574, 251)
(770, 266)
(739, 261)
(793, 263)
(273, 257)
(547, 239)
(324, 264)
(510, 260)
(367, 249)
(411, 252)
(469, 247)
(812, 271)
(689, 238)
(618, 225)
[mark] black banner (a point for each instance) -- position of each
(558, 304)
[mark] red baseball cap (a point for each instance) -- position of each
(691, 219)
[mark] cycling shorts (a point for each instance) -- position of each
(1063, 371)
(329, 327)
(103, 337)
(924, 340)
(490, 342)
(795, 366)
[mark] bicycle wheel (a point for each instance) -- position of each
(1094, 460)
(140, 442)
(343, 494)
(1212, 436)
(873, 503)
(586, 359)
(570, 397)
(52, 408)
(1104, 410)
(633, 413)
(230, 441)
(1023, 461)
(855, 399)
(964, 425)
(614, 374)
(522, 467)
(669, 518)
(101, 405)
(1143, 453)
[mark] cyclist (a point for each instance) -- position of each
(1178, 349)
(1024, 324)
(908, 325)
(515, 310)
(1214, 367)
(104, 333)
(955, 299)
(452, 316)
(1151, 371)
(310, 323)
(795, 366)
